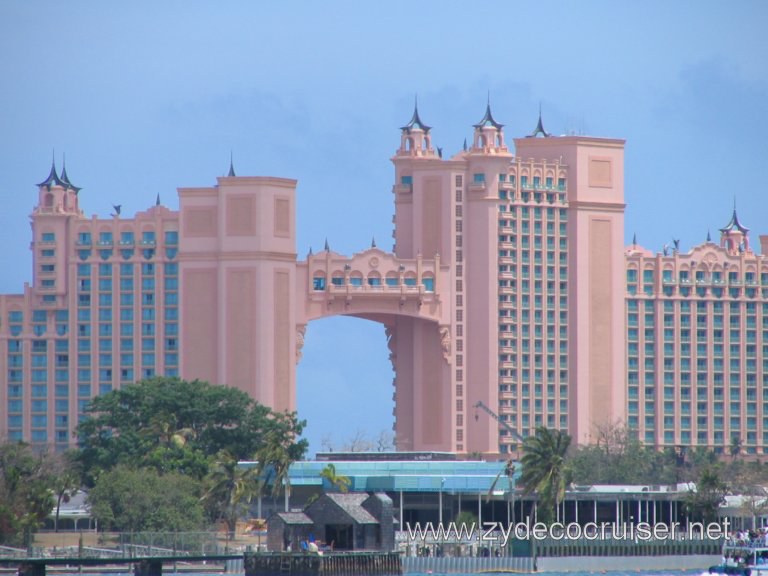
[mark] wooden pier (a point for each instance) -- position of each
(142, 566)
(329, 564)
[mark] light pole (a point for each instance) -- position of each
(440, 501)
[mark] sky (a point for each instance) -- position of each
(144, 97)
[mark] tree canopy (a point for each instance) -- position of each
(142, 500)
(26, 498)
(545, 469)
(175, 425)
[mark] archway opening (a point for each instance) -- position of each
(344, 386)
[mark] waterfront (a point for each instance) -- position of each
(563, 573)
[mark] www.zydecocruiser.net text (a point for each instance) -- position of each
(499, 533)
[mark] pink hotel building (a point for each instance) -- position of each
(508, 285)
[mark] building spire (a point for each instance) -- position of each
(373, 242)
(487, 119)
(64, 178)
(733, 223)
(634, 239)
(327, 248)
(53, 177)
(157, 200)
(539, 128)
(231, 165)
(415, 122)
(709, 237)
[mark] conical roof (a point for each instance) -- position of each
(65, 179)
(415, 122)
(53, 178)
(734, 224)
(231, 166)
(539, 128)
(488, 120)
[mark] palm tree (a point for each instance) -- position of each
(229, 489)
(337, 481)
(274, 463)
(545, 470)
(278, 452)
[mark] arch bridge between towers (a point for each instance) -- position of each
(411, 298)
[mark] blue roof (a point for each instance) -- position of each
(467, 477)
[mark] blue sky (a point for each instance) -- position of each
(144, 97)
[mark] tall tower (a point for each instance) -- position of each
(595, 270)
(487, 164)
(237, 263)
(421, 350)
(52, 220)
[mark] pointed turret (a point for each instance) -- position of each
(415, 139)
(489, 134)
(327, 248)
(65, 179)
(734, 224)
(157, 200)
(53, 178)
(373, 242)
(56, 194)
(539, 128)
(487, 119)
(415, 122)
(231, 172)
(734, 236)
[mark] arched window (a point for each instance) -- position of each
(318, 281)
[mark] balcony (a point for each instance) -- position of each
(402, 188)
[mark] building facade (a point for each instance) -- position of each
(697, 343)
(507, 300)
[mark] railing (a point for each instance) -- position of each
(130, 545)
(627, 547)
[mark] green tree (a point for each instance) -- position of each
(545, 469)
(229, 488)
(735, 447)
(25, 492)
(279, 450)
(704, 502)
(175, 425)
(142, 500)
(336, 481)
(65, 481)
(618, 457)
(466, 519)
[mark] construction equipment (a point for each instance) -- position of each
(495, 416)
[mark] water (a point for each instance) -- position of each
(601, 573)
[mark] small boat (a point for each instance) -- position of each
(743, 559)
